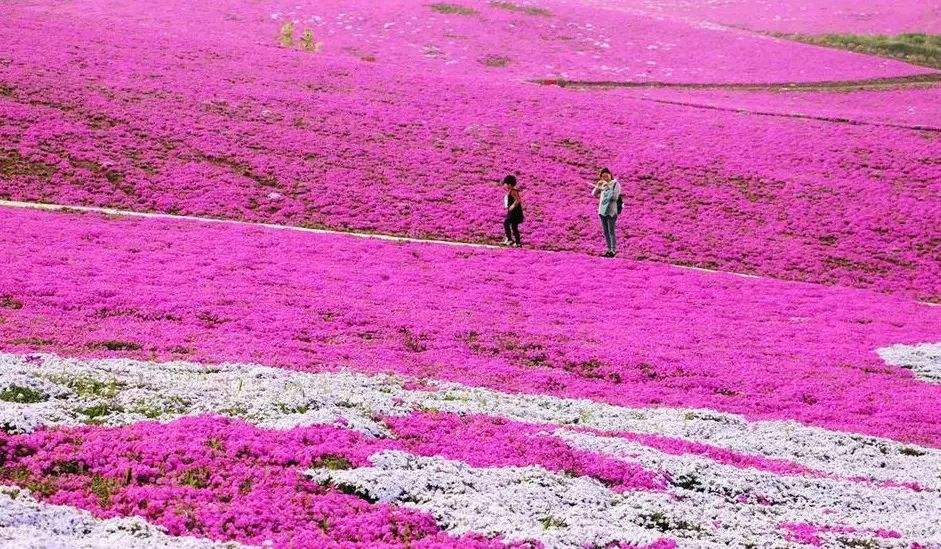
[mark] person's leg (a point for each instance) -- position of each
(506, 229)
(612, 230)
(516, 233)
(606, 222)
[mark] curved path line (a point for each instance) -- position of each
(355, 234)
(799, 116)
(155, 215)
(822, 85)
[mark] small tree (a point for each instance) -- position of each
(286, 37)
(307, 41)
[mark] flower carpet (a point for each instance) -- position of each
(312, 341)
(295, 391)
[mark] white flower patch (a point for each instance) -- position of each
(54, 391)
(923, 360)
(750, 505)
(519, 503)
(707, 504)
(122, 391)
(837, 453)
(28, 524)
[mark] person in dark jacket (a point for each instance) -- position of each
(514, 212)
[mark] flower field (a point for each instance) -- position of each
(697, 391)
(797, 16)
(410, 142)
(217, 363)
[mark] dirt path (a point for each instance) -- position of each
(917, 80)
(838, 120)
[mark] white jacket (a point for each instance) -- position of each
(608, 197)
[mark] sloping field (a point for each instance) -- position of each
(470, 358)
(474, 37)
(917, 107)
(267, 361)
(797, 16)
(550, 323)
(412, 144)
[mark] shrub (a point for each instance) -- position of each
(495, 61)
(308, 43)
(453, 8)
(528, 10)
(286, 36)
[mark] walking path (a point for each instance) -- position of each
(834, 119)
(175, 217)
(895, 82)
(899, 82)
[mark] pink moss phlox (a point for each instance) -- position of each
(266, 133)
(485, 441)
(809, 534)
(521, 322)
(217, 478)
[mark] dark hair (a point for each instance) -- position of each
(510, 180)
(605, 171)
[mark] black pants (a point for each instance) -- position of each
(512, 228)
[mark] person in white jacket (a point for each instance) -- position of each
(608, 191)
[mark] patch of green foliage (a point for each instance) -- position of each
(293, 409)
(197, 477)
(87, 386)
(528, 10)
(22, 395)
(308, 43)
(160, 408)
(21, 476)
(458, 9)
(355, 491)
(67, 467)
(687, 482)
(332, 462)
(663, 523)
(94, 414)
(286, 35)
(215, 444)
(916, 48)
(104, 488)
(116, 345)
(552, 522)
(10, 302)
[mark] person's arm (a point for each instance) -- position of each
(599, 185)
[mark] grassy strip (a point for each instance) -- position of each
(458, 9)
(893, 82)
(918, 49)
(528, 10)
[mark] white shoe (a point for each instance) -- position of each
(507, 242)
